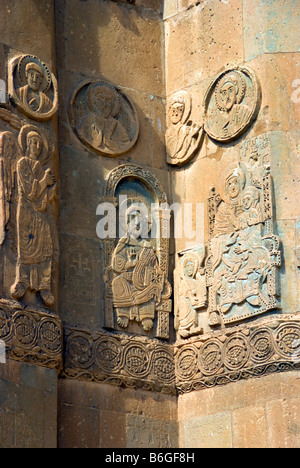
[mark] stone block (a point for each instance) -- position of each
(80, 280)
(271, 29)
(75, 427)
(283, 423)
(249, 427)
(212, 431)
(115, 35)
(112, 430)
(28, 407)
(150, 433)
(17, 31)
(170, 8)
(196, 46)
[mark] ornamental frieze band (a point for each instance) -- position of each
(247, 351)
(117, 359)
(31, 335)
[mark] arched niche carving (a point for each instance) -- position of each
(137, 290)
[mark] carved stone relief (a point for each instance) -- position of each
(31, 335)
(36, 229)
(244, 253)
(190, 292)
(137, 286)
(81, 275)
(231, 104)
(28, 189)
(237, 277)
(118, 359)
(249, 350)
(183, 137)
(104, 118)
(33, 87)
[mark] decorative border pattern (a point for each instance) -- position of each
(250, 350)
(31, 335)
(117, 359)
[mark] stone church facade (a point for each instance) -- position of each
(149, 223)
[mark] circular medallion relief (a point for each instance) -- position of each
(231, 104)
(34, 88)
(236, 352)
(187, 363)
(104, 118)
(211, 357)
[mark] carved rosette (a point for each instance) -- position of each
(251, 350)
(118, 359)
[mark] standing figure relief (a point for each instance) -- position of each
(37, 189)
(183, 137)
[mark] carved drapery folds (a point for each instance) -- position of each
(243, 250)
(104, 118)
(238, 277)
(137, 267)
(28, 186)
(183, 137)
(231, 104)
(190, 292)
(33, 87)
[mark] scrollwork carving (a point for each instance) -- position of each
(252, 350)
(118, 359)
(31, 335)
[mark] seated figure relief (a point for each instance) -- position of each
(139, 284)
(244, 252)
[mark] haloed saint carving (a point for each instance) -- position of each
(34, 88)
(190, 292)
(243, 251)
(36, 235)
(140, 284)
(231, 104)
(183, 137)
(104, 118)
